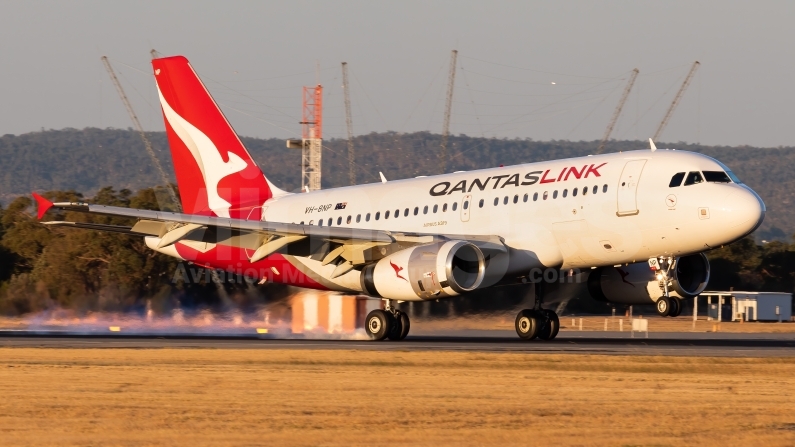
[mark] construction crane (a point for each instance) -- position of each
(448, 108)
(676, 100)
(140, 129)
(617, 112)
(311, 141)
(349, 123)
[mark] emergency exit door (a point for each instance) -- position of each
(466, 203)
(628, 188)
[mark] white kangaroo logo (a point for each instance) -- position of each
(207, 157)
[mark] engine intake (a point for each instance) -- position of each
(424, 272)
(638, 284)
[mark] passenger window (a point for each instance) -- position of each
(444, 208)
(525, 198)
(435, 209)
(348, 221)
(367, 217)
(480, 204)
(604, 188)
(555, 194)
(386, 214)
(574, 192)
(496, 201)
(302, 222)
(585, 191)
(565, 192)
(716, 177)
(505, 200)
(466, 204)
(358, 218)
(535, 196)
(693, 178)
(339, 220)
(455, 205)
(425, 209)
(320, 222)
(595, 189)
(378, 215)
(546, 195)
(329, 221)
(676, 180)
(416, 210)
(397, 214)
(516, 199)
(406, 213)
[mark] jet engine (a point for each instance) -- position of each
(638, 284)
(425, 272)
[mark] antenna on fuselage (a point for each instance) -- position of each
(651, 145)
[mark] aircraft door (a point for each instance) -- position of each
(466, 204)
(628, 188)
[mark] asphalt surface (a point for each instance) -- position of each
(573, 342)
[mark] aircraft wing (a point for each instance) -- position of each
(263, 236)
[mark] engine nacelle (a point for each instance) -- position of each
(426, 272)
(638, 284)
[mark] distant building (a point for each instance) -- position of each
(329, 312)
(748, 306)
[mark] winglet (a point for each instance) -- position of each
(44, 205)
(651, 145)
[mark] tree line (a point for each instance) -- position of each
(45, 268)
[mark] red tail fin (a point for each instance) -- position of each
(215, 172)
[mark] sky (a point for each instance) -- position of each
(525, 69)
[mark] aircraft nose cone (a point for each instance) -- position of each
(743, 211)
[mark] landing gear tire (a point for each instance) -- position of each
(676, 307)
(664, 306)
(550, 325)
(400, 326)
(527, 324)
(379, 324)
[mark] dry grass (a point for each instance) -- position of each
(212, 397)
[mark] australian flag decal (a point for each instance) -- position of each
(341, 206)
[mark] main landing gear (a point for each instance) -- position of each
(387, 323)
(537, 322)
(667, 305)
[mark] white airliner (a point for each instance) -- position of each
(636, 223)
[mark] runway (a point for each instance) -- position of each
(605, 343)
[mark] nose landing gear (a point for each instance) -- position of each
(667, 305)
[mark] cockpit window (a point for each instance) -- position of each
(676, 180)
(734, 178)
(716, 177)
(693, 178)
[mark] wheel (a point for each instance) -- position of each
(527, 324)
(551, 325)
(676, 307)
(664, 306)
(405, 325)
(378, 324)
(400, 326)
